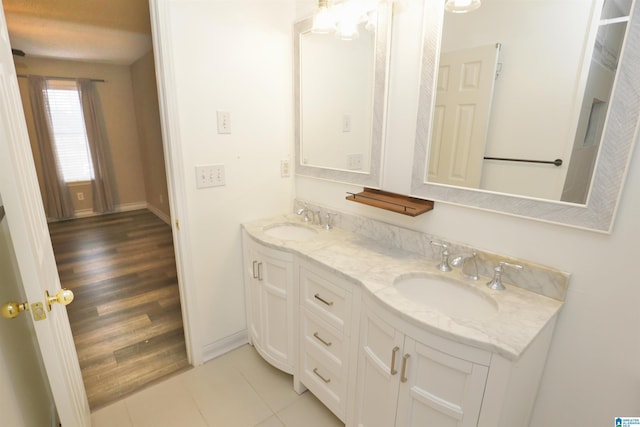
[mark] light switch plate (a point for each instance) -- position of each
(210, 176)
(224, 122)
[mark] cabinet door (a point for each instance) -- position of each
(252, 291)
(378, 376)
(275, 280)
(437, 389)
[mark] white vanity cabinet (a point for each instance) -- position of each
(405, 381)
(408, 377)
(328, 339)
(270, 302)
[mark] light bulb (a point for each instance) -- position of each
(348, 30)
(461, 6)
(323, 21)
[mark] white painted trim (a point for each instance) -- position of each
(126, 207)
(157, 212)
(225, 345)
(167, 97)
(81, 213)
(55, 421)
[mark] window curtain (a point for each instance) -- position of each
(56, 198)
(101, 184)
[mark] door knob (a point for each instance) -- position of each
(11, 309)
(64, 297)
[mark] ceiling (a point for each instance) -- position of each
(108, 31)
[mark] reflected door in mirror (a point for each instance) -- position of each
(461, 115)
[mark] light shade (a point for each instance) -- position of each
(461, 6)
(323, 21)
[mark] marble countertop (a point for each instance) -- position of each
(521, 314)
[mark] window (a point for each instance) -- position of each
(69, 133)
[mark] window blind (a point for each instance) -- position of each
(69, 133)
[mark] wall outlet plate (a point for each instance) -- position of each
(354, 161)
(284, 168)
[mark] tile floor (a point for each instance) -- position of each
(238, 389)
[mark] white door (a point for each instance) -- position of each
(25, 396)
(438, 389)
(275, 276)
(461, 116)
(378, 372)
(32, 246)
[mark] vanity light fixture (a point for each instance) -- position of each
(344, 17)
(323, 21)
(348, 26)
(461, 6)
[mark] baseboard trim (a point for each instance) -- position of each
(126, 207)
(225, 345)
(83, 213)
(55, 421)
(157, 212)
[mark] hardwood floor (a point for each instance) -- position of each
(126, 318)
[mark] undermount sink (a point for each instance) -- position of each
(290, 231)
(447, 296)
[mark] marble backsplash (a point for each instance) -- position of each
(533, 277)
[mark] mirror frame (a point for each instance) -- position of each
(382, 43)
(619, 135)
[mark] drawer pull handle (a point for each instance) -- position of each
(403, 375)
(255, 275)
(327, 343)
(326, 380)
(393, 360)
(319, 298)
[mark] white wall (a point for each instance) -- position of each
(234, 56)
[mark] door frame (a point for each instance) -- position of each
(177, 198)
(172, 145)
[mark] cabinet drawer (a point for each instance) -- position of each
(330, 302)
(315, 333)
(325, 380)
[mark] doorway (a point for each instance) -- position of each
(95, 24)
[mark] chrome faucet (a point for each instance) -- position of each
(468, 263)
(444, 254)
(496, 282)
(305, 210)
(328, 225)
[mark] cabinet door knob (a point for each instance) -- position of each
(255, 275)
(393, 370)
(403, 374)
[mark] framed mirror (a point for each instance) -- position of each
(583, 110)
(340, 91)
